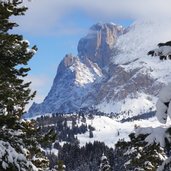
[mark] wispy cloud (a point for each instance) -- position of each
(45, 16)
(39, 84)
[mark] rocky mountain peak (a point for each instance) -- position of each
(111, 72)
(98, 43)
(68, 60)
(64, 65)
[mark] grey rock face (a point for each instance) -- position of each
(122, 84)
(98, 44)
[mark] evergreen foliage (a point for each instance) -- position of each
(104, 165)
(19, 140)
(14, 56)
(137, 154)
(85, 158)
(163, 105)
(65, 126)
(60, 165)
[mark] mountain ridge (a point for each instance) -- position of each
(111, 72)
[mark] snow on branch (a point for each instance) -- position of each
(163, 105)
(163, 51)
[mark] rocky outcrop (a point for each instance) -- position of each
(98, 44)
(123, 83)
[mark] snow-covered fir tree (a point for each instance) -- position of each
(163, 112)
(163, 106)
(137, 154)
(60, 166)
(163, 51)
(104, 165)
(19, 140)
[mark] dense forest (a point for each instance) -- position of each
(125, 155)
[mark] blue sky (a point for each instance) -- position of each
(56, 26)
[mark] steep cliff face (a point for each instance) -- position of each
(98, 44)
(111, 72)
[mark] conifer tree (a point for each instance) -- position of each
(163, 105)
(104, 165)
(90, 133)
(137, 154)
(14, 56)
(19, 139)
(60, 166)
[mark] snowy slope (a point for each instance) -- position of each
(133, 47)
(130, 106)
(110, 131)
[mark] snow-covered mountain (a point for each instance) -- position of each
(112, 71)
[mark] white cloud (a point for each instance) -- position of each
(38, 81)
(44, 16)
(41, 84)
